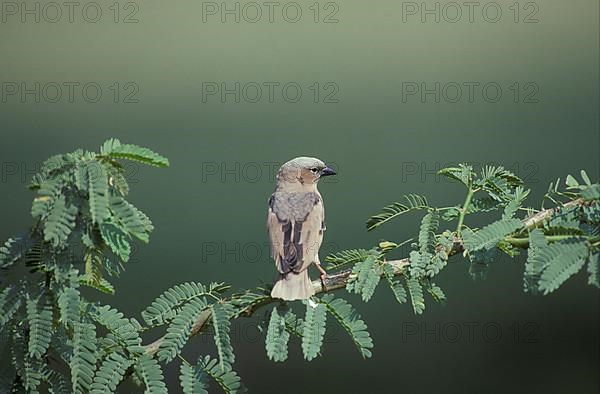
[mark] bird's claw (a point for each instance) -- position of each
(323, 278)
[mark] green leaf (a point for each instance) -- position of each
(482, 204)
(516, 200)
(314, 329)
(114, 149)
(463, 173)
(436, 292)
(60, 222)
(559, 230)
(347, 257)
(365, 278)
(478, 204)
(592, 213)
(489, 236)
(436, 263)
(39, 318)
(92, 258)
(13, 250)
(111, 372)
(116, 239)
(35, 257)
(131, 219)
(151, 375)
(492, 173)
(65, 275)
(10, 302)
(83, 362)
(395, 285)
(568, 217)
(351, 322)
(451, 213)
(18, 351)
(46, 194)
(247, 300)
(585, 178)
(416, 294)
(33, 373)
(165, 307)
(277, 338)
(293, 324)
(227, 379)
(68, 304)
(561, 259)
(221, 313)
(99, 284)
(571, 181)
(57, 383)
(121, 327)
(98, 191)
(116, 178)
(498, 182)
(193, 379)
(429, 226)
(80, 173)
(180, 329)
(30, 370)
(59, 163)
(591, 192)
(413, 202)
(419, 263)
(370, 283)
(535, 264)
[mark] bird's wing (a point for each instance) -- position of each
(277, 232)
(312, 234)
(295, 224)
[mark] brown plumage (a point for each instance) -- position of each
(296, 221)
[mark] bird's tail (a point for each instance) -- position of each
(293, 286)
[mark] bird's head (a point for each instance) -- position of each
(303, 170)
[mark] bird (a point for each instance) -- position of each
(295, 223)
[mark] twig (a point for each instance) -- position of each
(542, 216)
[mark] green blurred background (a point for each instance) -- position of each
(209, 207)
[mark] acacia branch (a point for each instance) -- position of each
(540, 217)
(332, 282)
(339, 279)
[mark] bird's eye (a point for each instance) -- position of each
(314, 170)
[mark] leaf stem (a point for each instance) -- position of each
(463, 211)
(524, 242)
(183, 360)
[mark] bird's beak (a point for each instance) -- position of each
(327, 171)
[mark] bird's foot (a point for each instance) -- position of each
(323, 276)
(323, 279)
